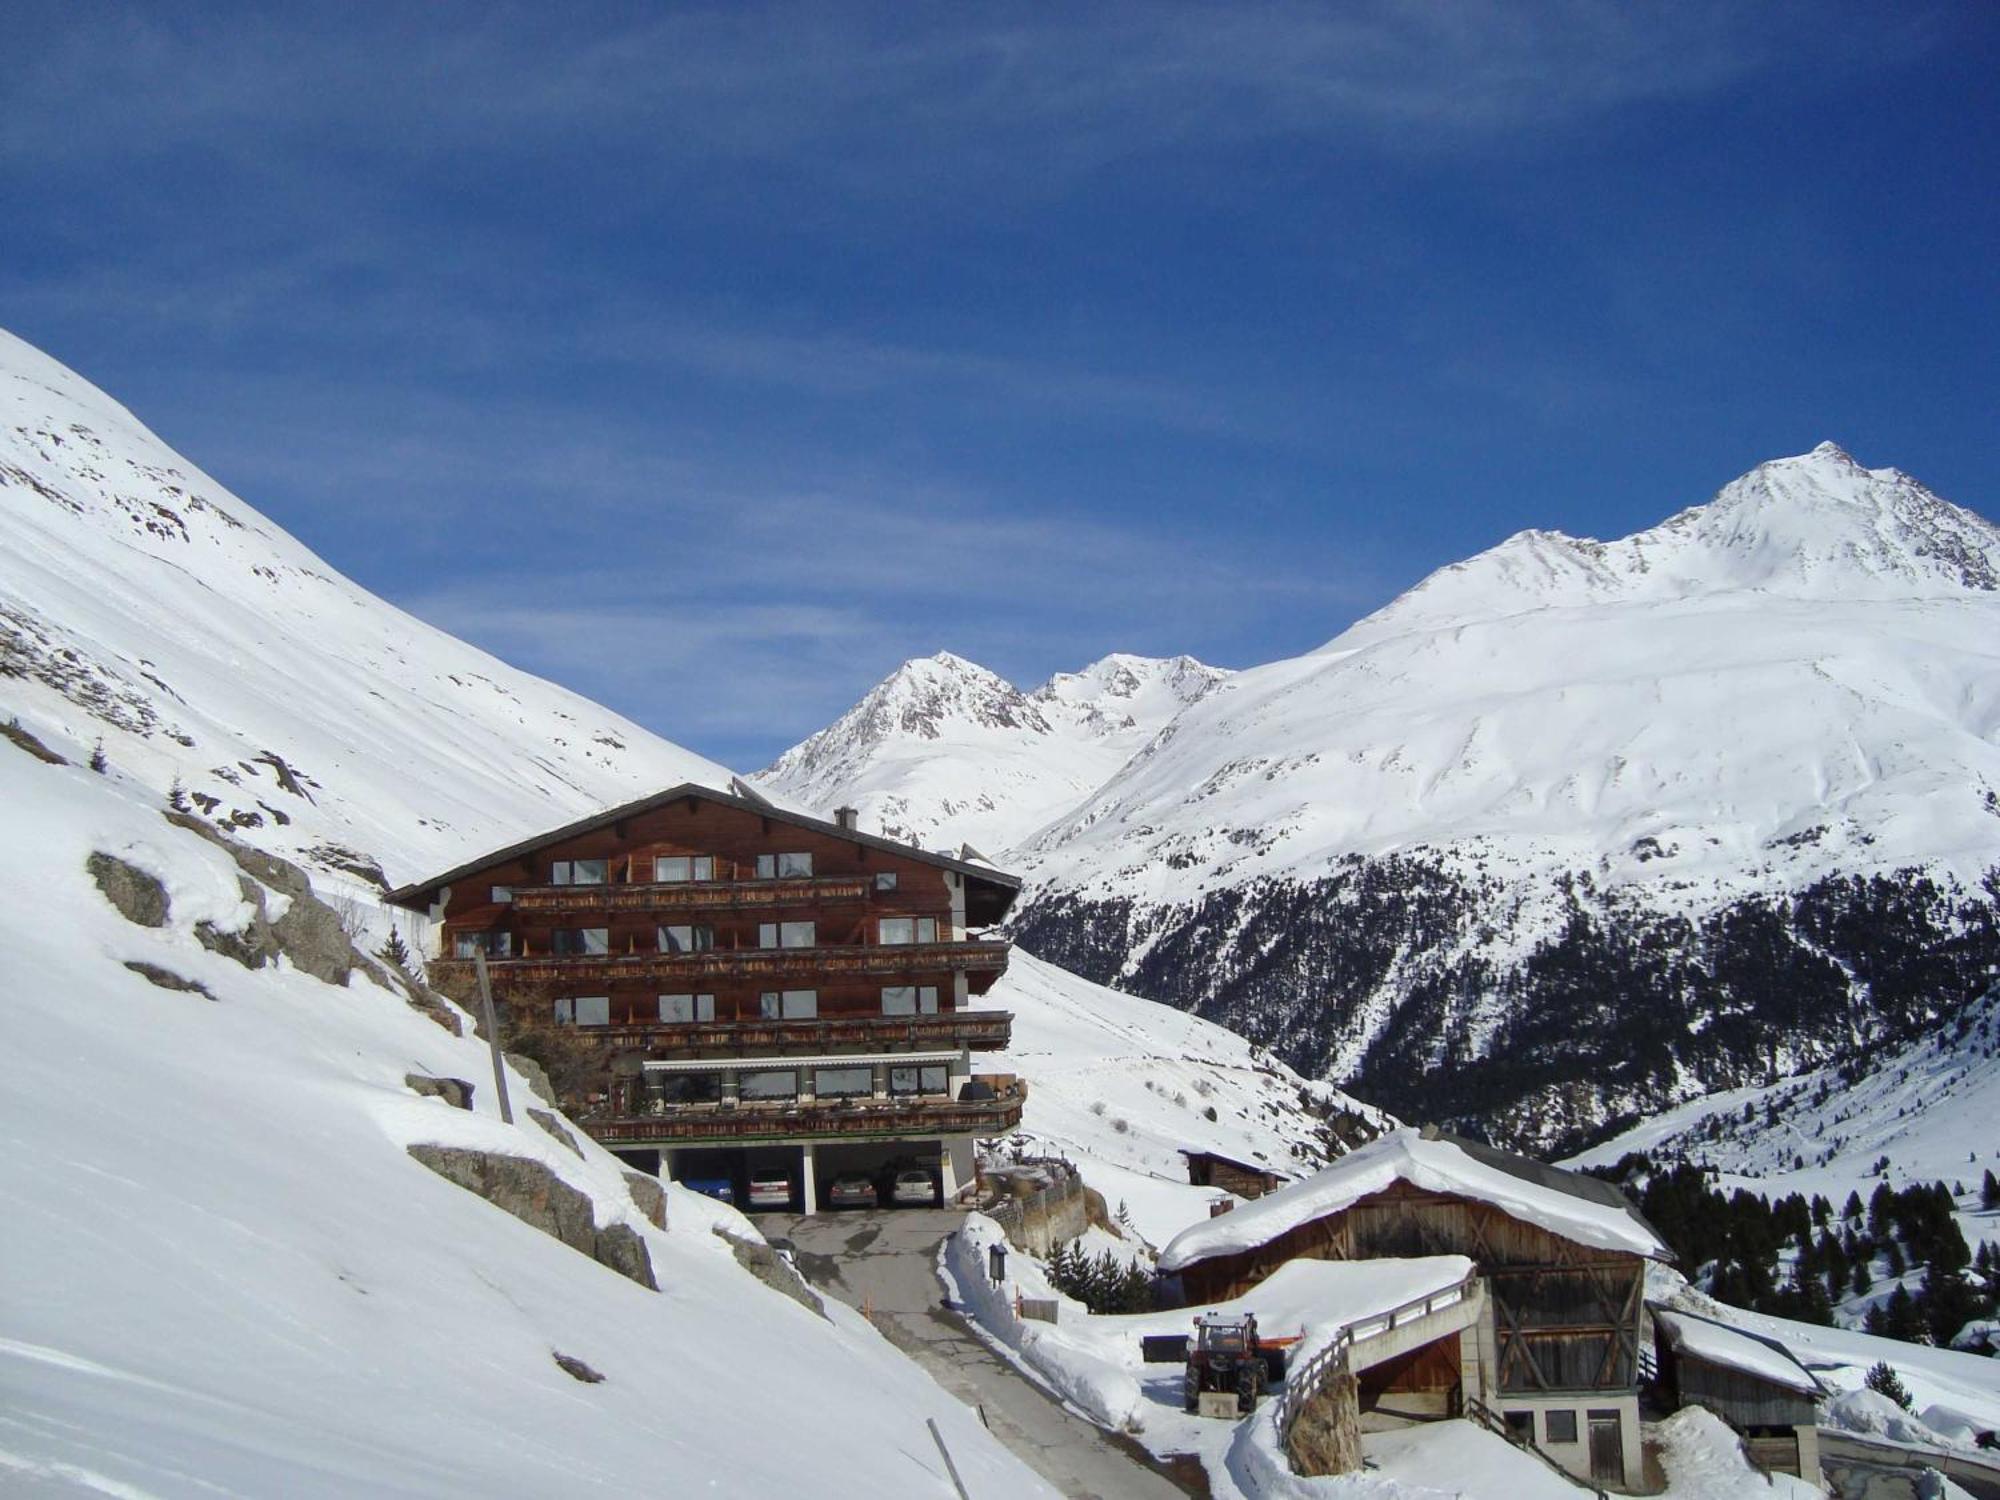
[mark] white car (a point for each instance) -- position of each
(771, 1188)
(913, 1187)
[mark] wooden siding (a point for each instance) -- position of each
(1567, 1317)
(852, 1120)
(1741, 1399)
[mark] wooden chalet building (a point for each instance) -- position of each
(1555, 1353)
(1244, 1179)
(764, 989)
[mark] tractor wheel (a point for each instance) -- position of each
(1248, 1387)
(1192, 1391)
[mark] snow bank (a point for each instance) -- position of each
(1436, 1165)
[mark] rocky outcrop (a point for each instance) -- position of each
(533, 1193)
(167, 979)
(648, 1197)
(575, 1368)
(138, 896)
(554, 1127)
(454, 1091)
(536, 1076)
(771, 1268)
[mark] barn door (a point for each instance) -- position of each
(1607, 1448)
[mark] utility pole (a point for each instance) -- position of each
(492, 1035)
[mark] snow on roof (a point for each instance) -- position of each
(1584, 1209)
(1732, 1348)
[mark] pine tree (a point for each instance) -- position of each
(1884, 1379)
(177, 799)
(1989, 1192)
(395, 953)
(1852, 1211)
(98, 760)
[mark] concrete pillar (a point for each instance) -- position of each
(732, 1088)
(878, 1080)
(1809, 1469)
(956, 1165)
(808, 1181)
(669, 1165)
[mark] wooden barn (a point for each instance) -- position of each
(1212, 1169)
(1564, 1256)
(1752, 1383)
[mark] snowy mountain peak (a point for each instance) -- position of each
(1817, 525)
(944, 751)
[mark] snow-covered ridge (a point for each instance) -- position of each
(944, 752)
(143, 603)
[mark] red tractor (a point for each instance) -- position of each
(1225, 1360)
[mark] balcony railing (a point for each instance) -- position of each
(866, 1119)
(855, 961)
(979, 1030)
(693, 895)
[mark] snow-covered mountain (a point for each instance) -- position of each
(1575, 828)
(143, 604)
(943, 752)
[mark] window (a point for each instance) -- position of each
(502, 894)
(843, 1083)
(673, 868)
(909, 1000)
(909, 930)
(885, 880)
(580, 941)
(492, 944)
(930, 1080)
(1521, 1424)
(769, 1086)
(687, 1007)
(787, 935)
(687, 1088)
(686, 939)
(578, 872)
(783, 866)
(1560, 1426)
(584, 1010)
(788, 1005)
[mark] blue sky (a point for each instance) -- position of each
(714, 359)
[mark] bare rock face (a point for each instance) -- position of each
(281, 876)
(623, 1249)
(535, 1195)
(648, 1197)
(576, 1369)
(454, 1091)
(167, 979)
(138, 896)
(251, 946)
(771, 1268)
(554, 1127)
(537, 1076)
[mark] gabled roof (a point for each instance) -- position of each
(1577, 1207)
(1735, 1349)
(419, 895)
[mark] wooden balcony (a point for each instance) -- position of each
(686, 970)
(976, 1030)
(855, 1120)
(693, 895)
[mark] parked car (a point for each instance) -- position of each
(851, 1190)
(719, 1188)
(913, 1187)
(771, 1187)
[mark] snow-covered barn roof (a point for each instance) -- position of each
(1719, 1344)
(1584, 1209)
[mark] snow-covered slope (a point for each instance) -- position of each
(1121, 1086)
(943, 752)
(223, 1274)
(1668, 773)
(142, 603)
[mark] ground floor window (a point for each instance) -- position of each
(769, 1086)
(686, 1088)
(1521, 1424)
(1560, 1426)
(843, 1083)
(928, 1080)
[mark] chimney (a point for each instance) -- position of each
(848, 818)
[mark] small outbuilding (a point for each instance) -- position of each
(1754, 1384)
(1213, 1169)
